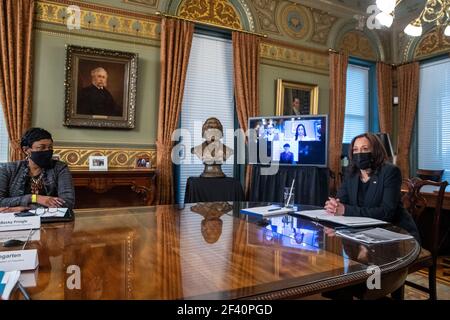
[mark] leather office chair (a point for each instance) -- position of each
(433, 175)
(415, 203)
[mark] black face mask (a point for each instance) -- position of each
(362, 161)
(42, 158)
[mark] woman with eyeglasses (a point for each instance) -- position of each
(37, 181)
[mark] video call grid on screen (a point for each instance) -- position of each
(298, 141)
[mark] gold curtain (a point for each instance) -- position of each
(246, 82)
(168, 264)
(384, 83)
(408, 89)
(338, 85)
(16, 54)
(176, 42)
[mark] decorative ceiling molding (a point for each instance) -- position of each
(99, 18)
(279, 51)
(357, 44)
(432, 43)
(218, 12)
(323, 23)
(248, 14)
(266, 10)
(146, 3)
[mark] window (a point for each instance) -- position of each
(4, 147)
(357, 102)
(208, 92)
(434, 116)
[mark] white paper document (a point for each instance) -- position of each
(373, 236)
(322, 215)
(267, 210)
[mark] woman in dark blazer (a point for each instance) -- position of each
(37, 181)
(372, 187)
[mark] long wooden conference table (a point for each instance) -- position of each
(204, 251)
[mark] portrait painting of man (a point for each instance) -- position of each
(100, 88)
(96, 99)
(294, 99)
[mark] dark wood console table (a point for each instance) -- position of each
(113, 188)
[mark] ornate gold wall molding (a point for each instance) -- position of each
(99, 18)
(78, 157)
(265, 10)
(356, 43)
(147, 3)
(279, 51)
(218, 12)
(323, 23)
(432, 43)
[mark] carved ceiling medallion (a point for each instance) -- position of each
(296, 21)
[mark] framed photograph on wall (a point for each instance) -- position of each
(143, 162)
(98, 163)
(100, 88)
(294, 98)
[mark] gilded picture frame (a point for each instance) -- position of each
(295, 98)
(100, 88)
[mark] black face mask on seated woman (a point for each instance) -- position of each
(42, 158)
(362, 160)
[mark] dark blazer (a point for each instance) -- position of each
(382, 200)
(286, 157)
(95, 101)
(57, 183)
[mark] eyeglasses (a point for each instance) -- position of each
(42, 211)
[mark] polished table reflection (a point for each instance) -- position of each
(202, 251)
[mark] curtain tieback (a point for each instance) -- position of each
(164, 151)
(15, 144)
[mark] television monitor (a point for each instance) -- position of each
(289, 140)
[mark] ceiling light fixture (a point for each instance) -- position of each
(435, 11)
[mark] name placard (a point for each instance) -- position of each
(19, 260)
(28, 279)
(9, 222)
(20, 235)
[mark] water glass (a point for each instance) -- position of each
(289, 196)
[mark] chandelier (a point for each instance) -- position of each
(437, 11)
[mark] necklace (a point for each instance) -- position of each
(36, 184)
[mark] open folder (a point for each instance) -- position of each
(267, 210)
(322, 215)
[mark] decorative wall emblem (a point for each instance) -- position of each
(431, 43)
(265, 10)
(323, 22)
(219, 12)
(356, 43)
(296, 21)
